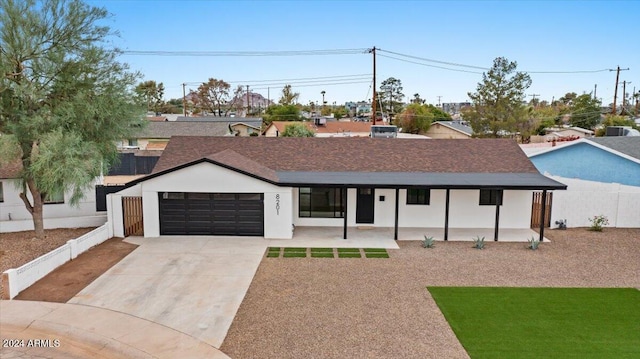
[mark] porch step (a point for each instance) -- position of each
(365, 227)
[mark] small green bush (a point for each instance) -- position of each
(533, 243)
(428, 242)
(597, 222)
(478, 242)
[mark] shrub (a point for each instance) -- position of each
(597, 222)
(533, 243)
(428, 242)
(478, 242)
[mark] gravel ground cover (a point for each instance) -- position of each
(19, 248)
(363, 308)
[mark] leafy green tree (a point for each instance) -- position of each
(497, 102)
(281, 113)
(174, 105)
(297, 129)
(339, 112)
(585, 112)
(152, 94)
(212, 95)
(417, 118)
(547, 117)
(416, 99)
(390, 96)
(65, 99)
(288, 97)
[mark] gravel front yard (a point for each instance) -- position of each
(19, 248)
(379, 308)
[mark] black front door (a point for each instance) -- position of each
(364, 205)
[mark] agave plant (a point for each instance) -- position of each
(478, 242)
(533, 243)
(428, 242)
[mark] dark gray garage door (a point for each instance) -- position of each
(227, 214)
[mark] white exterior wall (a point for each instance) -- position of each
(206, 177)
(15, 217)
(585, 199)
(416, 215)
(464, 210)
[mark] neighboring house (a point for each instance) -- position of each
(328, 129)
(601, 159)
(363, 108)
(454, 108)
(156, 135)
(243, 126)
(562, 134)
(449, 130)
(57, 211)
(266, 186)
(603, 178)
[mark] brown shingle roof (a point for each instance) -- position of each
(10, 170)
(356, 154)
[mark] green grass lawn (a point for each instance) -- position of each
(543, 322)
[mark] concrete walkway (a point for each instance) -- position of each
(192, 284)
(75, 331)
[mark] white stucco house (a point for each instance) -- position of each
(267, 186)
(57, 211)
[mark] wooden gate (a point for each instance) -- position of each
(537, 207)
(132, 216)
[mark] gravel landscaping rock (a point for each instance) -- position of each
(380, 308)
(19, 248)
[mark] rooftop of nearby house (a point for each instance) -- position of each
(362, 161)
(167, 129)
(458, 126)
(328, 127)
(10, 170)
(252, 121)
(629, 145)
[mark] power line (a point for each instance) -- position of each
(484, 68)
(423, 64)
(436, 61)
(245, 53)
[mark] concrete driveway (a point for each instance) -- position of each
(192, 284)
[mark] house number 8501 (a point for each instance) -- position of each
(278, 204)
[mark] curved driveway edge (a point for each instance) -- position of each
(78, 331)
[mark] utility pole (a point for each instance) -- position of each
(533, 100)
(184, 100)
(268, 97)
(247, 115)
(595, 89)
(624, 94)
(374, 107)
(615, 94)
(439, 97)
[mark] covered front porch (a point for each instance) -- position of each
(383, 236)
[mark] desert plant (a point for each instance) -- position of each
(478, 242)
(533, 243)
(428, 242)
(597, 222)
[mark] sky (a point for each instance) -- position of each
(421, 43)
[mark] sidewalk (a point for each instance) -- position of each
(78, 331)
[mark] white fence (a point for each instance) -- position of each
(585, 199)
(19, 279)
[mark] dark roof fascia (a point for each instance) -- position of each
(532, 181)
(189, 164)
